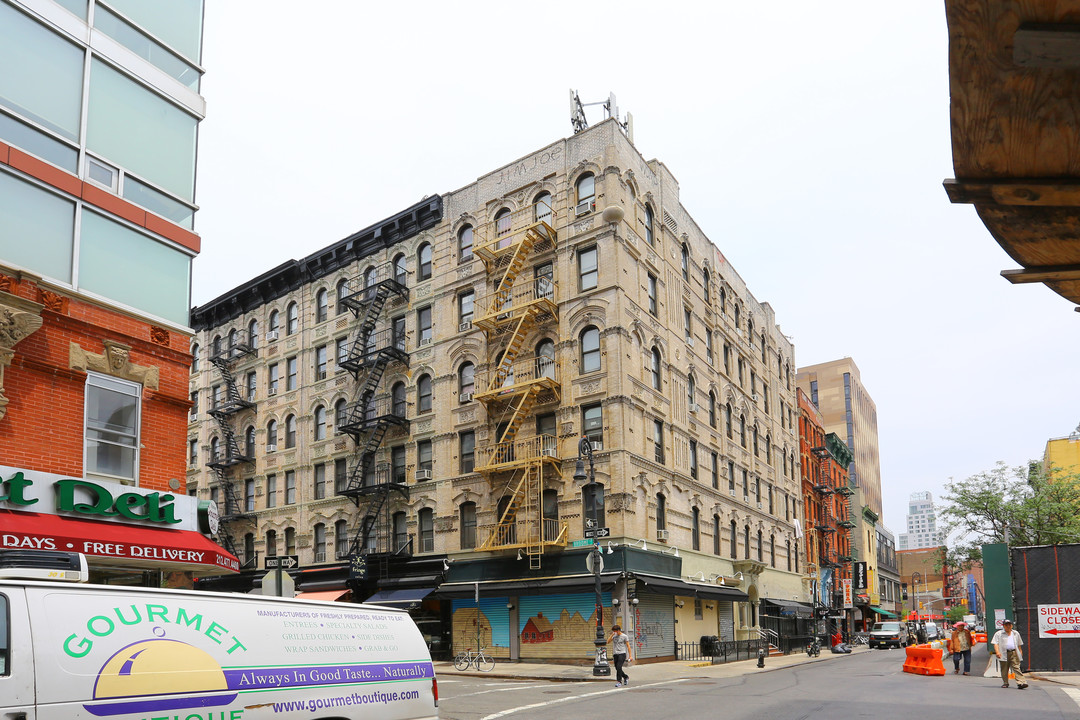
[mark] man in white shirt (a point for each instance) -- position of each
(1007, 644)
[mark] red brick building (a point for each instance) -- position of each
(97, 205)
(824, 461)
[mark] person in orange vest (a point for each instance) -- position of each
(960, 644)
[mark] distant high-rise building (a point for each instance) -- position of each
(922, 530)
(848, 410)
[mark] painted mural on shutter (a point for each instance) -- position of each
(725, 613)
(654, 626)
(560, 626)
(492, 619)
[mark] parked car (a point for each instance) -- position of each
(889, 634)
(932, 632)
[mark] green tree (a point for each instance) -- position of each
(1015, 505)
(956, 613)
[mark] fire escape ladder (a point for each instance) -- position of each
(505, 531)
(514, 267)
(374, 506)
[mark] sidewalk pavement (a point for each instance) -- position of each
(644, 673)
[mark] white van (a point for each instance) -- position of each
(94, 651)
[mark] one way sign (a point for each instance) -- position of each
(285, 562)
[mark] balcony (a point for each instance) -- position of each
(537, 374)
(524, 533)
(499, 307)
(499, 239)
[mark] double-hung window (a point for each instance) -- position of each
(113, 409)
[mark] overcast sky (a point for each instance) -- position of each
(810, 141)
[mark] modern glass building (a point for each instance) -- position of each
(99, 111)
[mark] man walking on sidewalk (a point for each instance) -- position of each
(1007, 644)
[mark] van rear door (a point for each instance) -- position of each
(16, 656)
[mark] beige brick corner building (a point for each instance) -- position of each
(403, 410)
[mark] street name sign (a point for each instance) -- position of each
(1059, 621)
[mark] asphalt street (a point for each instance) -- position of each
(868, 684)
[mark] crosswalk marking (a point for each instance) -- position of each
(1074, 694)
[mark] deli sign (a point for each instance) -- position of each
(32, 491)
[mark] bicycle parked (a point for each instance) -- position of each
(481, 660)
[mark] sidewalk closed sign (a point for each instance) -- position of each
(1059, 621)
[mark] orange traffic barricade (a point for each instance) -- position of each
(923, 660)
(979, 637)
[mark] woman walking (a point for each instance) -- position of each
(620, 653)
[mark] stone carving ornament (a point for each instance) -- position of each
(18, 319)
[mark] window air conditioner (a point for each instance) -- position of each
(425, 341)
(271, 335)
(423, 475)
(584, 207)
(271, 447)
(465, 326)
(759, 506)
(272, 391)
(690, 342)
(320, 557)
(465, 397)
(548, 452)
(661, 535)
(694, 407)
(757, 398)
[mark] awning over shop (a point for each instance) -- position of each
(117, 543)
(792, 608)
(675, 586)
(531, 586)
(327, 595)
(405, 597)
(884, 613)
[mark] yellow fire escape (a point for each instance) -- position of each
(518, 380)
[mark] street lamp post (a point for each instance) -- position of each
(596, 557)
(918, 605)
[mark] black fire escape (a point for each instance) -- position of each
(371, 415)
(229, 454)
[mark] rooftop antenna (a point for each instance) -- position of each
(611, 110)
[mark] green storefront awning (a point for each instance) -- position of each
(885, 613)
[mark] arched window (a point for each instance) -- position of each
(712, 408)
(271, 436)
(695, 529)
(503, 224)
(657, 378)
(320, 422)
(507, 532)
(215, 346)
(271, 543)
(341, 293)
(716, 534)
(768, 449)
(322, 305)
(590, 349)
(705, 279)
(737, 315)
(750, 331)
(370, 279)
(661, 512)
(215, 448)
(734, 549)
(341, 539)
(545, 358)
(341, 414)
(290, 431)
(746, 542)
(233, 336)
(649, 237)
(467, 513)
(466, 381)
(318, 545)
(400, 527)
(723, 300)
(398, 400)
(760, 549)
(273, 324)
(691, 392)
(549, 502)
(425, 522)
(542, 208)
(685, 260)
(742, 430)
(423, 262)
(772, 550)
(400, 271)
(292, 319)
(423, 394)
(465, 241)
(754, 435)
(586, 194)
(789, 555)
(249, 441)
(727, 419)
(253, 334)
(195, 351)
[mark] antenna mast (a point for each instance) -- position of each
(611, 110)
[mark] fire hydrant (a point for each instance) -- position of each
(761, 657)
